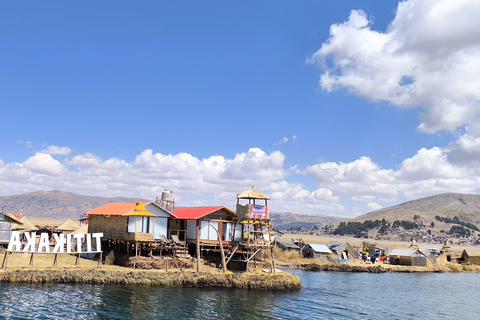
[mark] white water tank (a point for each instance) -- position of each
(166, 195)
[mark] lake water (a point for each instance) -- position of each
(326, 295)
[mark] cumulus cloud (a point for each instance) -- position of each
(45, 164)
(54, 150)
(374, 206)
(358, 177)
(426, 173)
(428, 57)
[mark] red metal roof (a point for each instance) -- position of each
(114, 209)
(193, 213)
(13, 216)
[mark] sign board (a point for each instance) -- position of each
(63, 243)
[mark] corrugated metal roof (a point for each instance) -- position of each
(405, 252)
(114, 209)
(288, 244)
(320, 248)
(193, 213)
(15, 217)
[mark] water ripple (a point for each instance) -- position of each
(326, 295)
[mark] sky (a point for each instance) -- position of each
(329, 107)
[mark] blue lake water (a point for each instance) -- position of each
(325, 295)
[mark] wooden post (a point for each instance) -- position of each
(76, 260)
(31, 260)
(197, 231)
(55, 259)
(273, 261)
(4, 264)
(100, 259)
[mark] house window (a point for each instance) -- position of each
(140, 224)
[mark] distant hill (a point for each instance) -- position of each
(56, 204)
(287, 220)
(464, 206)
(61, 204)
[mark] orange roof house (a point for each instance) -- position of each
(129, 221)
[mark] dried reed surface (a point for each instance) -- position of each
(88, 272)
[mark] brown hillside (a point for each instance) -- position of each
(61, 204)
(56, 204)
(465, 206)
(287, 220)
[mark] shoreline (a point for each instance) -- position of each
(356, 266)
(175, 278)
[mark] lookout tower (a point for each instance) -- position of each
(252, 238)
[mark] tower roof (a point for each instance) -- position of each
(252, 194)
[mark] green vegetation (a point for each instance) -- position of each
(360, 230)
(459, 232)
(456, 220)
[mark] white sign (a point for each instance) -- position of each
(61, 240)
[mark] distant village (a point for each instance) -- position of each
(235, 240)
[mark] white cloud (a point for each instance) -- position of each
(44, 164)
(357, 177)
(374, 206)
(54, 150)
(428, 57)
(429, 164)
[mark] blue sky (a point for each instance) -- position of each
(332, 108)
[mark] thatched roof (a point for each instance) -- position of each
(68, 225)
(25, 226)
(83, 229)
(252, 194)
(140, 210)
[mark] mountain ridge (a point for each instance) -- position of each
(464, 206)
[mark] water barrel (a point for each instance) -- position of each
(166, 195)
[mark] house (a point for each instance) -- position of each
(408, 257)
(206, 223)
(129, 221)
(5, 229)
(316, 251)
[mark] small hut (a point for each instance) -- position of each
(446, 254)
(83, 229)
(67, 227)
(343, 251)
(287, 245)
(473, 258)
(316, 251)
(408, 257)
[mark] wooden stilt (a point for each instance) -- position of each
(55, 260)
(4, 264)
(31, 260)
(76, 260)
